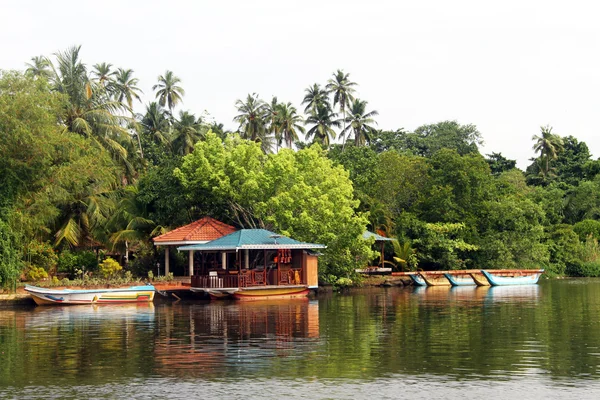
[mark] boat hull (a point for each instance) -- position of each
(463, 280)
(435, 280)
(417, 280)
(276, 293)
(479, 279)
(522, 279)
(132, 294)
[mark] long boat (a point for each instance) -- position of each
(520, 277)
(435, 279)
(417, 279)
(460, 280)
(270, 292)
(131, 294)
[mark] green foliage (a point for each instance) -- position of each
(41, 255)
(299, 194)
(34, 274)
(109, 267)
(441, 246)
(587, 227)
(11, 263)
(77, 263)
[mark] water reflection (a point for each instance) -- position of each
(233, 335)
(545, 335)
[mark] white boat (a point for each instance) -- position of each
(131, 294)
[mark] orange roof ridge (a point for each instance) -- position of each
(202, 230)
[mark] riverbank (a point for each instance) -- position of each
(16, 300)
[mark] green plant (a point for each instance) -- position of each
(34, 273)
(41, 255)
(109, 267)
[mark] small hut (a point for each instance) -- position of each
(201, 231)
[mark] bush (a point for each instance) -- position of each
(584, 269)
(109, 267)
(41, 255)
(34, 274)
(76, 263)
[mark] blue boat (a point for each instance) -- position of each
(417, 280)
(521, 277)
(458, 280)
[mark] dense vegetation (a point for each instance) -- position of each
(83, 175)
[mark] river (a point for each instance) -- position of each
(540, 341)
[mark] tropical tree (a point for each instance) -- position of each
(125, 87)
(271, 113)
(323, 120)
(169, 92)
(104, 74)
(360, 122)
(155, 123)
(548, 145)
(187, 131)
(89, 112)
(342, 90)
(39, 67)
(315, 97)
(288, 123)
(251, 117)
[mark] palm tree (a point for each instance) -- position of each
(39, 68)
(359, 121)
(125, 86)
(251, 118)
(341, 88)
(188, 132)
(288, 122)
(169, 93)
(315, 97)
(89, 112)
(103, 73)
(548, 145)
(155, 123)
(323, 120)
(271, 112)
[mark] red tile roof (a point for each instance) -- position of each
(203, 230)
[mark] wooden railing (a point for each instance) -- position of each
(253, 277)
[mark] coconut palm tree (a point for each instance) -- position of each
(89, 112)
(155, 123)
(125, 87)
(188, 131)
(288, 123)
(360, 120)
(39, 68)
(103, 73)
(548, 145)
(315, 97)
(323, 120)
(251, 117)
(271, 112)
(169, 92)
(341, 87)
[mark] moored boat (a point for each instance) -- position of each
(519, 277)
(435, 279)
(460, 280)
(417, 279)
(272, 293)
(479, 279)
(131, 294)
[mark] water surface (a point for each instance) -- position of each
(538, 341)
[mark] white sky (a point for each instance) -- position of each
(506, 66)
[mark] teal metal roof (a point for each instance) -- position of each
(378, 238)
(253, 239)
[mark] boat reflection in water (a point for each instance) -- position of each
(238, 335)
(138, 312)
(441, 294)
(527, 293)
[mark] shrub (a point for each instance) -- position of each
(34, 273)
(75, 263)
(41, 255)
(109, 267)
(584, 269)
